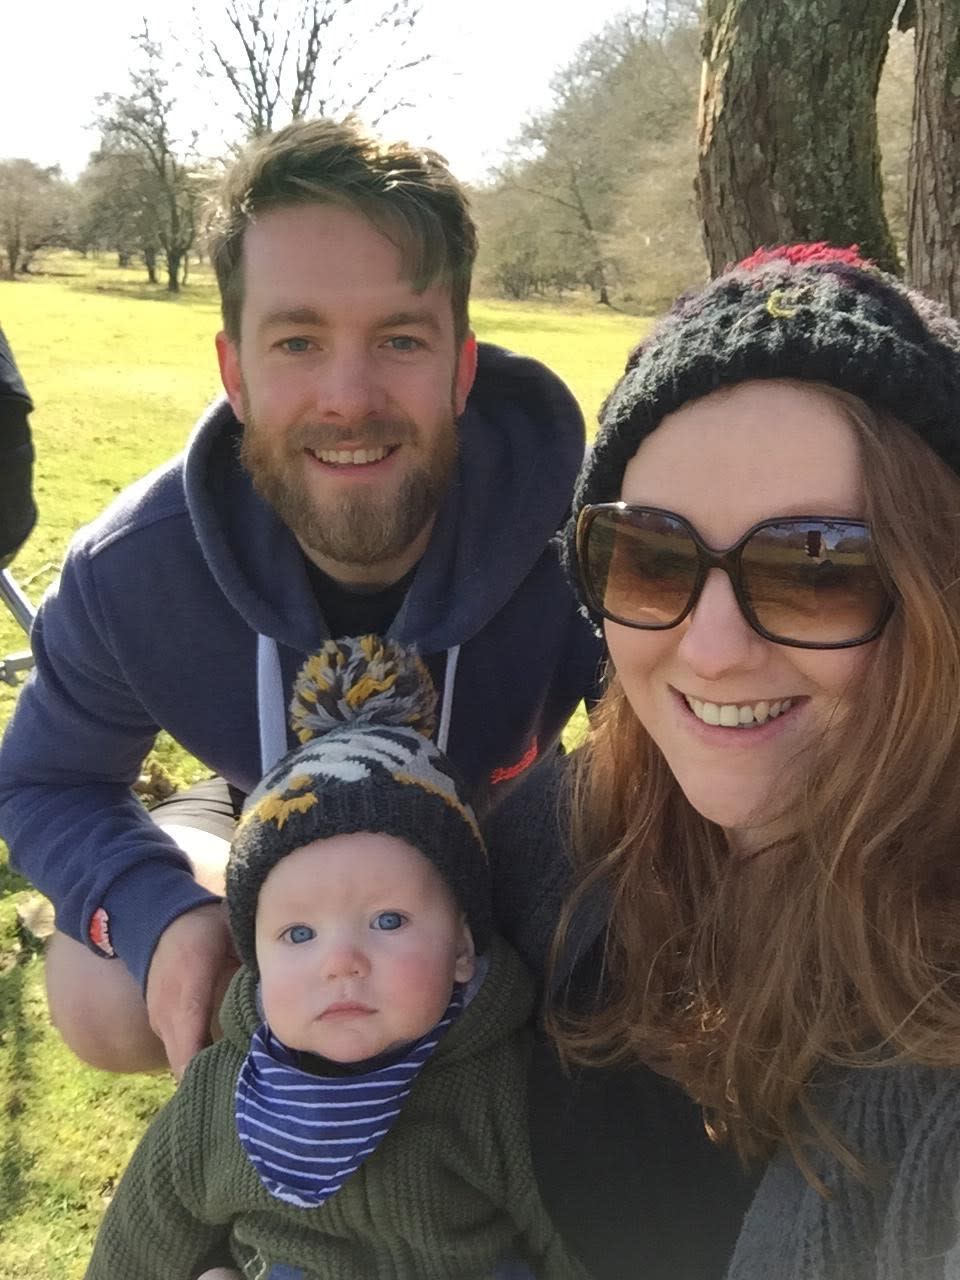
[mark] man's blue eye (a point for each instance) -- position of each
(296, 345)
(388, 920)
(300, 933)
(404, 343)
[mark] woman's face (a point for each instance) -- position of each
(726, 462)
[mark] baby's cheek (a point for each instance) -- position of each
(423, 980)
(281, 992)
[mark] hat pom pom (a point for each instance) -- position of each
(362, 679)
(818, 253)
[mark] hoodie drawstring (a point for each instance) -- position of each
(446, 706)
(272, 705)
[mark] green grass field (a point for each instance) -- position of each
(119, 372)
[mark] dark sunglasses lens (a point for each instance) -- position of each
(640, 566)
(814, 581)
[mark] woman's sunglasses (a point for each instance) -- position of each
(803, 581)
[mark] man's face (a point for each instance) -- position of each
(348, 383)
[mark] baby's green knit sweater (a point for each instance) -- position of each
(447, 1194)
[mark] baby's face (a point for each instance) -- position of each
(359, 944)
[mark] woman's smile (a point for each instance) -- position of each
(738, 715)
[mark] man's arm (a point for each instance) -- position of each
(70, 755)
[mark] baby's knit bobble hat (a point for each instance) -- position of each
(804, 311)
(363, 710)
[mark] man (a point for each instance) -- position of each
(371, 469)
(17, 511)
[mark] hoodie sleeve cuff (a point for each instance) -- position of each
(139, 905)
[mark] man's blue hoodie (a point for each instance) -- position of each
(174, 602)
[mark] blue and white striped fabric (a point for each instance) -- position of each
(305, 1134)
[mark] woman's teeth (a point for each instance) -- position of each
(350, 457)
(737, 715)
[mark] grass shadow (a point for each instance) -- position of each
(202, 295)
(18, 1039)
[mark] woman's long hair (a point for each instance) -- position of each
(740, 976)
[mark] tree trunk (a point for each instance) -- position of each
(173, 270)
(788, 144)
(150, 262)
(933, 196)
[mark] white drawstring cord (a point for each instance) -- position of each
(446, 706)
(271, 704)
(272, 710)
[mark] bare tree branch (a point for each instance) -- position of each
(302, 57)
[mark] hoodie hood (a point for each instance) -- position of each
(521, 445)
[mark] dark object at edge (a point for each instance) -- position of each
(18, 512)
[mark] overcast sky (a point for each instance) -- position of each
(493, 64)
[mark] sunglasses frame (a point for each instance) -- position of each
(728, 560)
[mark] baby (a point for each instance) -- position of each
(364, 1114)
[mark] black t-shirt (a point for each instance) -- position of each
(356, 611)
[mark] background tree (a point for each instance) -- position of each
(118, 203)
(140, 128)
(788, 128)
(523, 243)
(285, 59)
(35, 212)
(933, 197)
(577, 191)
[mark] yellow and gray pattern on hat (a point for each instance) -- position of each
(360, 679)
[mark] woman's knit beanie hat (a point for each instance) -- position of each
(363, 710)
(804, 311)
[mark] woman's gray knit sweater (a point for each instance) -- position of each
(900, 1224)
(902, 1122)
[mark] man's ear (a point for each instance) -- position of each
(466, 371)
(466, 954)
(228, 357)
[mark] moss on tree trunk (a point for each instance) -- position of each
(788, 144)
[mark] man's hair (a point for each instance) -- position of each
(408, 193)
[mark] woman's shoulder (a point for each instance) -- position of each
(885, 1108)
(528, 837)
(897, 1216)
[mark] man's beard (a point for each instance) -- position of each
(367, 526)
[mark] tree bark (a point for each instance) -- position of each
(12, 247)
(173, 271)
(788, 144)
(150, 262)
(933, 196)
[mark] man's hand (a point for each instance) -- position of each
(191, 967)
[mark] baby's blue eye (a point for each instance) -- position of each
(300, 933)
(388, 920)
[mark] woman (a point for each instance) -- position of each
(766, 817)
